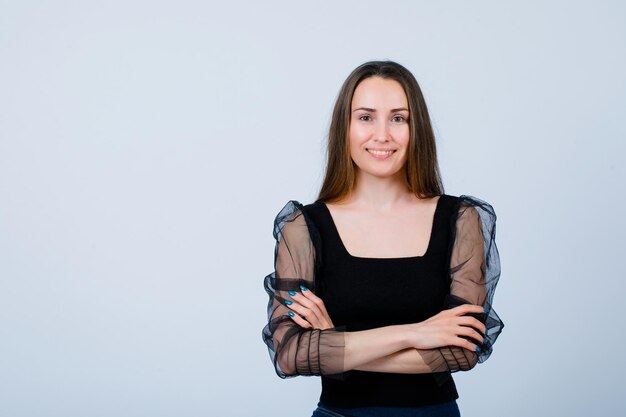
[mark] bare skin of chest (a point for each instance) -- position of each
(405, 232)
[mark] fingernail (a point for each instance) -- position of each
(477, 348)
(485, 309)
(484, 340)
(292, 293)
(291, 314)
(303, 288)
(288, 302)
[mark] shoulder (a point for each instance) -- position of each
(295, 206)
(481, 207)
(471, 210)
(294, 214)
(448, 200)
(465, 201)
(295, 223)
(468, 209)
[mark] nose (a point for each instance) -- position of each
(381, 133)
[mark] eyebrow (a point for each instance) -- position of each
(374, 110)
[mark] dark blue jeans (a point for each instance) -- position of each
(449, 409)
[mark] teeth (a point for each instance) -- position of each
(380, 152)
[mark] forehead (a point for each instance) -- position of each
(377, 92)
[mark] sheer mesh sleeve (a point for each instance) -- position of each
(295, 350)
(474, 270)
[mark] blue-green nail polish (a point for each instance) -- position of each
(303, 288)
(291, 314)
(485, 309)
(477, 348)
(288, 302)
(292, 293)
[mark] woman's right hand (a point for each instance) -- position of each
(447, 328)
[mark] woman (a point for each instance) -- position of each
(383, 286)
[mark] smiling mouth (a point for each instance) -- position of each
(381, 153)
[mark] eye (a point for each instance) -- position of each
(399, 119)
(365, 117)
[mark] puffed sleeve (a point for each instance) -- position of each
(295, 350)
(474, 271)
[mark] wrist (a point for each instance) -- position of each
(406, 335)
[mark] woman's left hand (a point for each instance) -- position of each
(309, 309)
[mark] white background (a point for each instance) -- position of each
(146, 146)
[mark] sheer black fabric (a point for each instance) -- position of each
(473, 273)
(293, 349)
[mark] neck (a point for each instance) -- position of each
(379, 193)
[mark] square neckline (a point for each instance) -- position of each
(414, 257)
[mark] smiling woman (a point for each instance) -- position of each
(379, 127)
(384, 285)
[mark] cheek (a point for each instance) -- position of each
(354, 134)
(403, 133)
(355, 138)
(404, 137)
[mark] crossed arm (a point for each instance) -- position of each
(303, 340)
(410, 348)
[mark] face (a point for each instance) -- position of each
(379, 128)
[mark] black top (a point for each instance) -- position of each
(461, 265)
(366, 293)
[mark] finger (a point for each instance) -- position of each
(318, 307)
(469, 332)
(466, 344)
(303, 312)
(312, 306)
(310, 315)
(468, 309)
(299, 320)
(315, 299)
(307, 293)
(473, 322)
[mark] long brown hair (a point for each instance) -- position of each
(422, 174)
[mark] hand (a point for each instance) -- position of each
(310, 309)
(450, 328)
